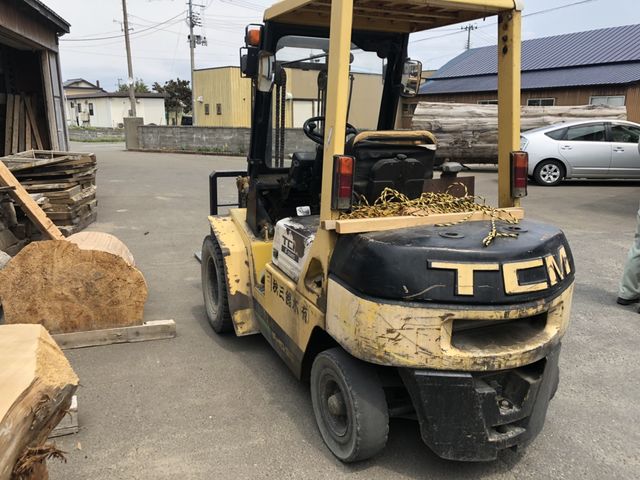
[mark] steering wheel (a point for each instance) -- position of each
(310, 130)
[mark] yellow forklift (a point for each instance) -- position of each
(391, 316)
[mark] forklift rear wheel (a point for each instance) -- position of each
(214, 287)
(349, 405)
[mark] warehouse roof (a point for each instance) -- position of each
(62, 26)
(598, 57)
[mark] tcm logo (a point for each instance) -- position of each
(557, 268)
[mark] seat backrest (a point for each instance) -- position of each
(398, 159)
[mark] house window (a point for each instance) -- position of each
(487, 102)
(608, 100)
(79, 107)
(73, 105)
(218, 109)
(91, 109)
(541, 102)
(206, 109)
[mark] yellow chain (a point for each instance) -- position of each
(392, 203)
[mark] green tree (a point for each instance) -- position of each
(138, 86)
(177, 95)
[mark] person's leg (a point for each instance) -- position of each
(630, 282)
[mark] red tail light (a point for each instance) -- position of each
(519, 174)
(342, 195)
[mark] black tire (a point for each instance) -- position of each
(214, 288)
(349, 405)
(549, 173)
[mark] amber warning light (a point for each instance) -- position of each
(252, 35)
(519, 174)
(342, 194)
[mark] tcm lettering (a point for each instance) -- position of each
(557, 268)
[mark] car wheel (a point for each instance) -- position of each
(349, 405)
(549, 173)
(214, 287)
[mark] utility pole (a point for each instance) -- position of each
(192, 48)
(130, 81)
(194, 20)
(469, 28)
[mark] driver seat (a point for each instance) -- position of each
(397, 159)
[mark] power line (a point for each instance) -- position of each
(89, 39)
(547, 10)
(140, 35)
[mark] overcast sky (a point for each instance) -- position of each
(160, 50)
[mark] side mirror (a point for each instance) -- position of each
(266, 63)
(250, 52)
(411, 77)
(249, 61)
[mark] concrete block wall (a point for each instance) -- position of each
(95, 134)
(223, 140)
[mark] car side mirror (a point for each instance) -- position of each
(411, 77)
(266, 63)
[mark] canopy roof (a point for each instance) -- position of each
(390, 15)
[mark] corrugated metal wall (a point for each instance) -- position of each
(225, 87)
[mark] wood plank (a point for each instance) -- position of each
(49, 101)
(152, 330)
(16, 123)
(21, 126)
(363, 225)
(17, 164)
(27, 134)
(28, 205)
(34, 124)
(8, 127)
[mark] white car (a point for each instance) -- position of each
(586, 149)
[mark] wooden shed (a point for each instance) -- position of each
(31, 95)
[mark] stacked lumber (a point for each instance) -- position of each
(468, 133)
(66, 179)
(36, 387)
(20, 128)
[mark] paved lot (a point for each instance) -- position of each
(207, 407)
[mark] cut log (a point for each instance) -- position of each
(103, 242)
(469, 133)
(69, 289)
(36, 386)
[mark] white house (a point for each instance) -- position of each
(89, 105)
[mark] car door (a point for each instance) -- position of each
(625, 156)
(586, 150)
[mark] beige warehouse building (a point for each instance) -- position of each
(223, 98)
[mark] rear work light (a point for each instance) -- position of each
(519, 174)
(342, 194)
